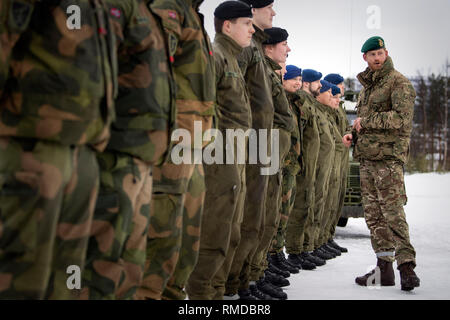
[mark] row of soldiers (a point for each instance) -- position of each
(86, 177)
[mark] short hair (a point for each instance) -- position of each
(218, 23)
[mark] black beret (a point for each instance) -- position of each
(232, 10)
(258, 3)
(276, 35)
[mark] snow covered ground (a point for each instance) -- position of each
(428, 216)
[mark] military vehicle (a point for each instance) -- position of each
(352, 201)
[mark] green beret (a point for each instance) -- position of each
(373, 43)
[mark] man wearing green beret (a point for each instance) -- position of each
(383, 129)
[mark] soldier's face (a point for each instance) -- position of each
(240, 30)
(335, 101)
(263, 17)
(325, 97)
(375, 58)
(315, 87)
(292, 85)
(342, 87)
(279, 52)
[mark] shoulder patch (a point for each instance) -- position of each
(172, 14)
(172, 44)
(19, 15)
(115, 13)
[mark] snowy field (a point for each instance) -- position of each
(428, 216)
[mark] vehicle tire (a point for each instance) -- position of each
(342, 222)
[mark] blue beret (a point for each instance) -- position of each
(335, 90)
(258, 3)
(232, 10)
(325, 86)
(310, 75)
(334, 78)
(292, 72)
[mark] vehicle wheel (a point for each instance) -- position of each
(342, 222)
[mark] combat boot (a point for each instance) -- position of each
(333, 244)
(272, 268)
(297, 259)
(245, 295)
(322, 255)
(316, 260)
(387, 277)
(276, 280)
(266, 287)
(331, 249)
(409, 279)
(258, 294)
(279, 260)
(327, 250)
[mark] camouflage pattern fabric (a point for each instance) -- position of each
(70, 84)
(297, 236)
(386, 106)
(383, 195)
(47, 199)
(255, 71)
(139, 139)
(224, 200)
(66, 74)
(116, 253)
(192, 63)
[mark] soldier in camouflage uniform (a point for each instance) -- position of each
(57, 89)
(383, 127)
(236, 269)
(334, 183)
(224, 201)
(179, 189)
(343, 126)
(292, 164)
(299, 238)
(139, 139)
(276, 50)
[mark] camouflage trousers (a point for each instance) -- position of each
(273, 205)
(116, 253)
(224, 208)
(331, 200)
(302, 214)
(288, 192)
(174, 231)
(47, 198)
(383, 197)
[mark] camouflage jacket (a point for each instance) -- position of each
(293, 162)
(57, 83)
(342, 121)
(333, 116)
(191, 57)
(233, 104)
(386, 108)
(326, 130)
(143, 106)
(282, 114)
(254, 68)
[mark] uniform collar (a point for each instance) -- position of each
(369, 77)
(228, 43)
(260, 35)
(275, 66)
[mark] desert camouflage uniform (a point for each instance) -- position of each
(57, 89)
(179, 189)
(386, 108)
(298, 237)
(224, 203)
(284, 123)
(139, 139)
(255, 70)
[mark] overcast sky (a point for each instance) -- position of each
(327, 35)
